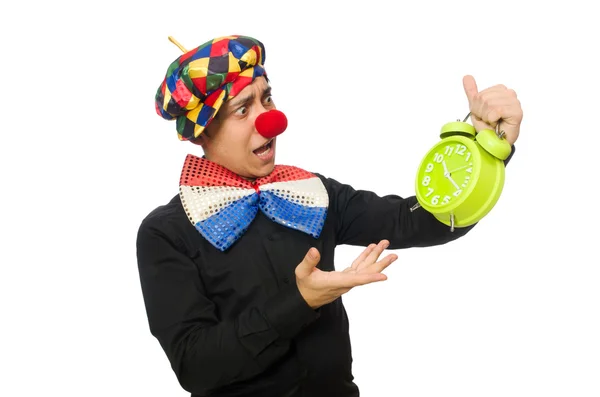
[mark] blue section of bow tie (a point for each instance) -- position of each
(307, 219)
(229, 224)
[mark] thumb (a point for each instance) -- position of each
(470, 87)
(306, 267)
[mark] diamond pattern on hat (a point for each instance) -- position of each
(221, 67)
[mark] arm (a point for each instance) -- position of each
(364, 217)
(206, 352)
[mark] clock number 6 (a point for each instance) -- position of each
(436, 199)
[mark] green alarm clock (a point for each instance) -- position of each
(461, 177)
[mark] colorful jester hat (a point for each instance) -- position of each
(199, 81)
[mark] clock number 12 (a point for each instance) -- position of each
(460, 149)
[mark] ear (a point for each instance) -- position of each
(201, 140)
(207, 134)
(197, 141)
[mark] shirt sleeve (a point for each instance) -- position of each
(363, 217)
(204, 351)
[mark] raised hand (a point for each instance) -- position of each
(493, 105)
(318, 287)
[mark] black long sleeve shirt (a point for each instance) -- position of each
(234, 323)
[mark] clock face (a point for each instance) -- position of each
(446, 173)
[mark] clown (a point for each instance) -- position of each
(237, 270)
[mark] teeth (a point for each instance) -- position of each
(264, 153)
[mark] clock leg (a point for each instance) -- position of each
(417, 205)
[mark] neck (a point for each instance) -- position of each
(249, 179)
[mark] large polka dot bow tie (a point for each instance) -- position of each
(221, 205)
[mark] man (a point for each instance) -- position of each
(237, 270)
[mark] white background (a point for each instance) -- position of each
(510, 310)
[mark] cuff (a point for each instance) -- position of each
(512, 151)
(288, 313)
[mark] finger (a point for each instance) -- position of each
(382, 264)
(334, 281)
(470, 87)
(510, 122)
(493, 96)
(347, 281)
(495, 88)
(499, 100)
(362, 256)
(496, 97)
(485, 111)
(372, 257)
(367, 278)
(306, 267)
(512, 114)
(503, 109)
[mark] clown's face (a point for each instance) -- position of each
(231, 139)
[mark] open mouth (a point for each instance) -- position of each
(265, 149)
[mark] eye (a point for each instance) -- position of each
(269, 99)
(241, 110)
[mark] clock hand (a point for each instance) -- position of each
(460, 168)
(454, 183)
(447, 175)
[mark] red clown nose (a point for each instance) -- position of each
(270, 124)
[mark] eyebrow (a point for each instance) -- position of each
(244, 100)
